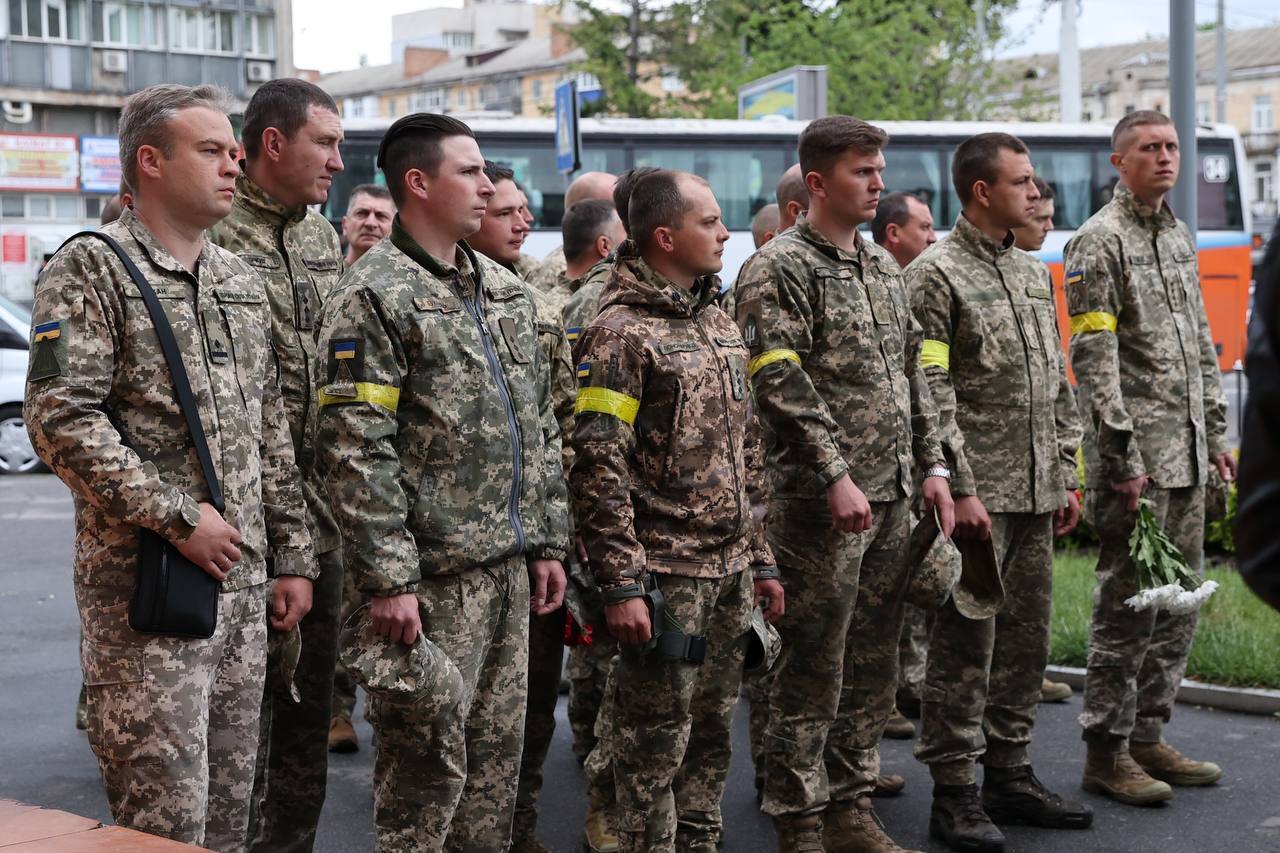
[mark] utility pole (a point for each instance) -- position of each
(1069, 64)
(633, 50)
(1182, 86)
(1220, 92)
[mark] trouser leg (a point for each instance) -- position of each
(546, 652)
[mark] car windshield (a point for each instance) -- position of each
(23, 315)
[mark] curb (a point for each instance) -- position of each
(1245, 700)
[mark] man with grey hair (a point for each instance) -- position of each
(172, 721)
(588, 185)
(370, 211)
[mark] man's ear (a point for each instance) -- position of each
(417, 183)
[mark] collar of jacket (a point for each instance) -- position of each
(978, 243)
(1142, 211)
(402, 240)
(256, 199)
(161, 257)
(634, 282)
(573, 285)
(805, 231)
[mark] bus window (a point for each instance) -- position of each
(1219, 187)
(535, 166)
(743, 179)
(358, 159)
(1067, 172)
(917, 171)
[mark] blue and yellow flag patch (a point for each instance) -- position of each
(344, 349)
(573, 333)
(584, 370)
(1075, 277)
(48, 331)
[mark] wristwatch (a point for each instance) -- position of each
(939, 470)
(187, 519)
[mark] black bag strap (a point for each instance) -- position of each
(169, 345)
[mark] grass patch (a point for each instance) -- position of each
(1236, 640)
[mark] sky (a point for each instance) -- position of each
(332, 42)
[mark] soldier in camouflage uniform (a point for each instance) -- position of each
(1150, 389)
(173, 722)
(588, 185)
(668, 489)
(995, 365)
(442, 456)
(835, 366)
(291, 136)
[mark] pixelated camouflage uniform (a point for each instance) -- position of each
(442, 454)
(835, 366)
(667, 483)
(1008, 423)
(297, 255)
(1151, 392)
(913, 654)
(173, 722)
(524, 266)
(545, 275)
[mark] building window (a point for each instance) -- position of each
(1263, 178)
(1263, 118)
(537, 90)
(201, 30)
(12, 207)
(458, 40)
(588, 82)
(260, 35)
(462, 99)
(1202, 112)
(353, 108)
(57, 20)
(124, 24)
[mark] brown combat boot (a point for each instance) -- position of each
(888, 785)
(1168, 765)
(1054, 691)
(856, 829)
(798, 833)
(899, 727)
(1118, 776)
(599, 835)
(342, 735)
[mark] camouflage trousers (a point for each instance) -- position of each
(1136, 659)
(344, 688)
(174, 722)
(755, 689)
(293, 751)
(913, 652)
(982, 687)
(450, 783)
(546, 657)
(588, 670)
(834, 682)
(671, 721)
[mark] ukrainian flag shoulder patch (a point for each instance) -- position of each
(344, 349)
(48, 331)
(573, 333)
(1075, 277)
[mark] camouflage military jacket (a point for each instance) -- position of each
(993, 358)
(297, 254)
(835, 365)
(525, 266)
(667, 474)
(546, 274)
(583, 303)
(103, 413)
(437, 437)
(1150, 388)
(556, 351)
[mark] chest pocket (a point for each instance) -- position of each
(324, 274)
(240, 308)
(517, 338)
(734, 352)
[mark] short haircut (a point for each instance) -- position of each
(766, 219)
(791, 187)
(282, 104)
(497, 173)
(1042, 187)
(413, 142)
(1137, 118)
(111, 210)
(656, 202)
(826, 140)
(622, 192)
(147, 114)
(976, 158)
(583, 223)
(371, 190)
(893, 209)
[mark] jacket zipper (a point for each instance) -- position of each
(728, 421)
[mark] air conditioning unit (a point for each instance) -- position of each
(257, 72)
(115, 61)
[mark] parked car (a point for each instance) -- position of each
(17, 456)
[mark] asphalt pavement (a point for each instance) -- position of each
(44, 760)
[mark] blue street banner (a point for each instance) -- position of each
(568, 142)
(100, 170)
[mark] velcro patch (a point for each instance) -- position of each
(49, 331)
(1075, 277)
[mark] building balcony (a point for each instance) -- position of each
(1262, 142)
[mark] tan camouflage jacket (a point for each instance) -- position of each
(1150, 389)
(103, 414)
(437, 437)
(667, 474)
(835, 366)
(298, 256)
(993, 358)
(548, 271)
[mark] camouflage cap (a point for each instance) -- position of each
(421, 674)
(763, 644)
(284, 649)
(980, 592)
(934, 562)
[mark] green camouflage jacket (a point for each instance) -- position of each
(1150, 388)
(548, 271)
(583, 303)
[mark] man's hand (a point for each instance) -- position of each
(936, 492)
(629, 621)
(850, 510)
(290, 601)
(546, 586)
(774, 598)
(972, 521)
(212, 546)
(1226, 465)
(1066, 519)
(1131, 490)
(396, 617)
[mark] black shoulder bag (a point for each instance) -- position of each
(172, 596)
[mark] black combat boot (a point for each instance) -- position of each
(958, 820)
(1015, 795)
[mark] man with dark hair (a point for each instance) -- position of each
(1151, 395)
(998, 375)
(443, 460)
(792, 196)
(590, 230)
(288, 166)
(368, 219)
(588, 185)
(1030, 238)
(903, 227)
(835, 368)
(668, 489)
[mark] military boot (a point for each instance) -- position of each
(798, 833)
(1116, 775)
(888, 785)
(599, 835)
(856, 829)
(1054, 691)
(1015, 795)
(342, 735)
(958, 820)
(1168, 765)
(899, 727)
